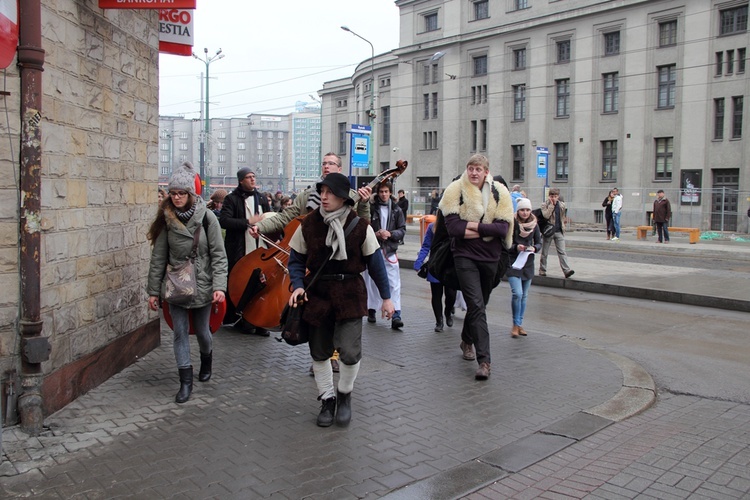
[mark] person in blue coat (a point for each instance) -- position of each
(436, 288)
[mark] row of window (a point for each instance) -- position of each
(735, 120)
(430, 102)
(725, 65)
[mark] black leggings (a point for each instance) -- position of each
(437, 297)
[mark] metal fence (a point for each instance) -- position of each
(719, 209)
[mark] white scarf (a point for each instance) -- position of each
(335, 237)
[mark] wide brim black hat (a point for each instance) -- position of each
(339, 186)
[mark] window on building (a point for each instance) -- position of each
(164, 169)
(518, 162)
(561, 161)
(221, 146)
(241, 158)
(719, 119)
(562, 88)
(385, 125)
(269, 135)
(719, 63)
(269, 157)
(165, 158)
(241, 134)
(260, 158)
(482, 135)
(519, 102)
(612, 43)
(241, 146)
(269, 145)
(341, 103)
(279, 135)
(519, 59)
(668, 33)
(435, 73)
(342, 138)
(730, 62)
(183, 158)
(481, 9)
(737, 103)
(521, 4)
(259, 134)
(221, 170)
(563, 51)
(222, 134)
(426, 105)
(165, 146)
(733, 20)
(426, 76)
(664, 155)
(474, 135)
(183, 135)
(431, 21)
(741, 56)
(183, 147)
(434, 105)
(479, 94)
(611, 92)
(667, 84)
(609, 160)
(259, 145)
(385, 82)
(222, 158)
(430, 140)
(164, 134)
(480, 65)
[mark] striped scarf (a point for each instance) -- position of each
(313, 200)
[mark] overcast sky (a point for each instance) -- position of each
(276, 53)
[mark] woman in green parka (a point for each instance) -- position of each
(171, 236)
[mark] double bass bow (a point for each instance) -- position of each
(263, 273)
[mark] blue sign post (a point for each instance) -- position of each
(360, 150)
(542, 170)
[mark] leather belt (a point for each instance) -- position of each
(336, 277)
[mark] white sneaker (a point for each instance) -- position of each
(615, 238)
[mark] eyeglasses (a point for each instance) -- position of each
(331, 163)
(178, 193)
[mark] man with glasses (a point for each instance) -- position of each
(244, 206)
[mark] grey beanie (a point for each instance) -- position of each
(183, 178)
(241, 173)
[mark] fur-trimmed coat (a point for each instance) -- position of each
(463, 202)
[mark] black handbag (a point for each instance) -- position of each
(441, 264)
(422, 273)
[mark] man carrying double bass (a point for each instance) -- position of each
(244, 206)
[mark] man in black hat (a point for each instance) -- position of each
(337, 302)
(244, 206)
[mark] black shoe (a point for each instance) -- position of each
(396, 323)
(569, 273)
(439, 325)
(186, 385)
(204, 375)
(327, 410)
(449, 320)
(344, 409)
(371, 316)
(262, 332)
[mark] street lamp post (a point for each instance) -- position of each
(204, 178)
(371, 112)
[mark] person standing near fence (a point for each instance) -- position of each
(616, 212)
(607, 204)
(662, 214)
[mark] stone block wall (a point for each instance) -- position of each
(98, 189)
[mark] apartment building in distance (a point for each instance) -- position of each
(583, 95)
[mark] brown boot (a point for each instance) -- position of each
(468, 351)
(514, 332)
(483, 372)
(521, 331)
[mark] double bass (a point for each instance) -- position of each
(259, 283)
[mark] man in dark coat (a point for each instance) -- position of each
(244, 206)
(662, 214)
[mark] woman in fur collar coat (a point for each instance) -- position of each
(479, 217)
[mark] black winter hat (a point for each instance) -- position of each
(339, 186)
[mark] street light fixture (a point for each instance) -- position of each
(204, 179)
(371, 112)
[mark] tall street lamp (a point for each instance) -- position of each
(371, 112)
(206, 60)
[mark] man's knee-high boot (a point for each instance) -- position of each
(343, 409)
(186, 385)
(205, 372)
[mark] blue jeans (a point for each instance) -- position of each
(616, 223)
(662, 229)
(181, 324)
(520, 290)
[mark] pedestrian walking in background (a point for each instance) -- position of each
(403, 204)
(172, 236)
(335, 306)
(616, 211)
(161, 195)
(515, 195)
(479, 219)
(607, 204)
(434, 201)
(526, 238)
(216, 201)
(389, 224)
(436, 288)
(553, 210)
(662, 213)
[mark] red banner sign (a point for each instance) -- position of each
(147, 4)
(8, 32)
(176, 31)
